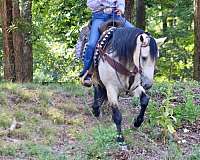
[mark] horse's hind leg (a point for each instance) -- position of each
(100, 96)
(144, 100)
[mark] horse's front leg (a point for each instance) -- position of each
(100, 96)
(144, 100)
(116, 114)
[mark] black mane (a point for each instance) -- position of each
(124, 43)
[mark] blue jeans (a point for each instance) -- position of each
(97, 19)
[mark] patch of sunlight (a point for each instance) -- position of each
(75, 121)
(55, 115)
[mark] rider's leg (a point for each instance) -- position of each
(88, 59)
(93, 38)
(97, 20)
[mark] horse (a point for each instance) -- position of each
(126, 63)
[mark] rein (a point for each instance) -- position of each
(119, 68)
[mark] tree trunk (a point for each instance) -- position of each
(197, 41)
(18, 61)
(129, 11)
(140, 14)
(9, 57)
(18, 42)
(27, 44)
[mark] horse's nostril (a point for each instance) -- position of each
(147, 86)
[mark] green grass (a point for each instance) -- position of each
(29, 149)
(43, 111)
(103, 139)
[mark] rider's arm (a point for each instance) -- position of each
(93, 4)
(121, 5)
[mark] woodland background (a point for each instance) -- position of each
(47, 114)
(40, 37)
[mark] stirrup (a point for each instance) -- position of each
(86, 82)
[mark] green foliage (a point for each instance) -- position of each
(55, 30)
(5, 119)
(41, 152)
(172, 104)
(174, 152)
(103, 139)
(195, 154)
(163, 115)
(175, 22)
(1, 51)
(187, 112)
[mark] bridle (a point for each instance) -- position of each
(119, 68)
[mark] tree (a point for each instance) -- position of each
(9, 58)
(129, 11)
(17, 41)
(197, 41)
(140, 14)
(27, 42)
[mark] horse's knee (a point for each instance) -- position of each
(112, 94)
(144, 100)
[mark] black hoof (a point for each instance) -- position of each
(96, 112)
(138, 122)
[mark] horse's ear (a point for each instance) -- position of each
(160, 41)
(141, 39)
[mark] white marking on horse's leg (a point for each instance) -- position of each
(138, 91)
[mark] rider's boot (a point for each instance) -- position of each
(84, 74)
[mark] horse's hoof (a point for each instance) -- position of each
(133, 127)
(96, 112)
(138, 122)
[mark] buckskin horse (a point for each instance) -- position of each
(125, 59)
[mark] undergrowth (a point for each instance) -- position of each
(55, 122)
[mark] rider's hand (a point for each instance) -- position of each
(118, 12)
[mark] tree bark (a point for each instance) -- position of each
(17, 43)
(18, 61)
(140, 14)
(9, 56)
(27, 43)
(197, 41)
(129, 10)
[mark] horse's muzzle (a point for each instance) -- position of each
(147, 86)
(146, 83)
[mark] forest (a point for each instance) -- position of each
(45, 112)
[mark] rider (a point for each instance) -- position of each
(102, 10)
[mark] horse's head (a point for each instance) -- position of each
(145, 57)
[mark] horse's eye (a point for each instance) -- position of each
(144, 59)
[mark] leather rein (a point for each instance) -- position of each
(118, 66)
